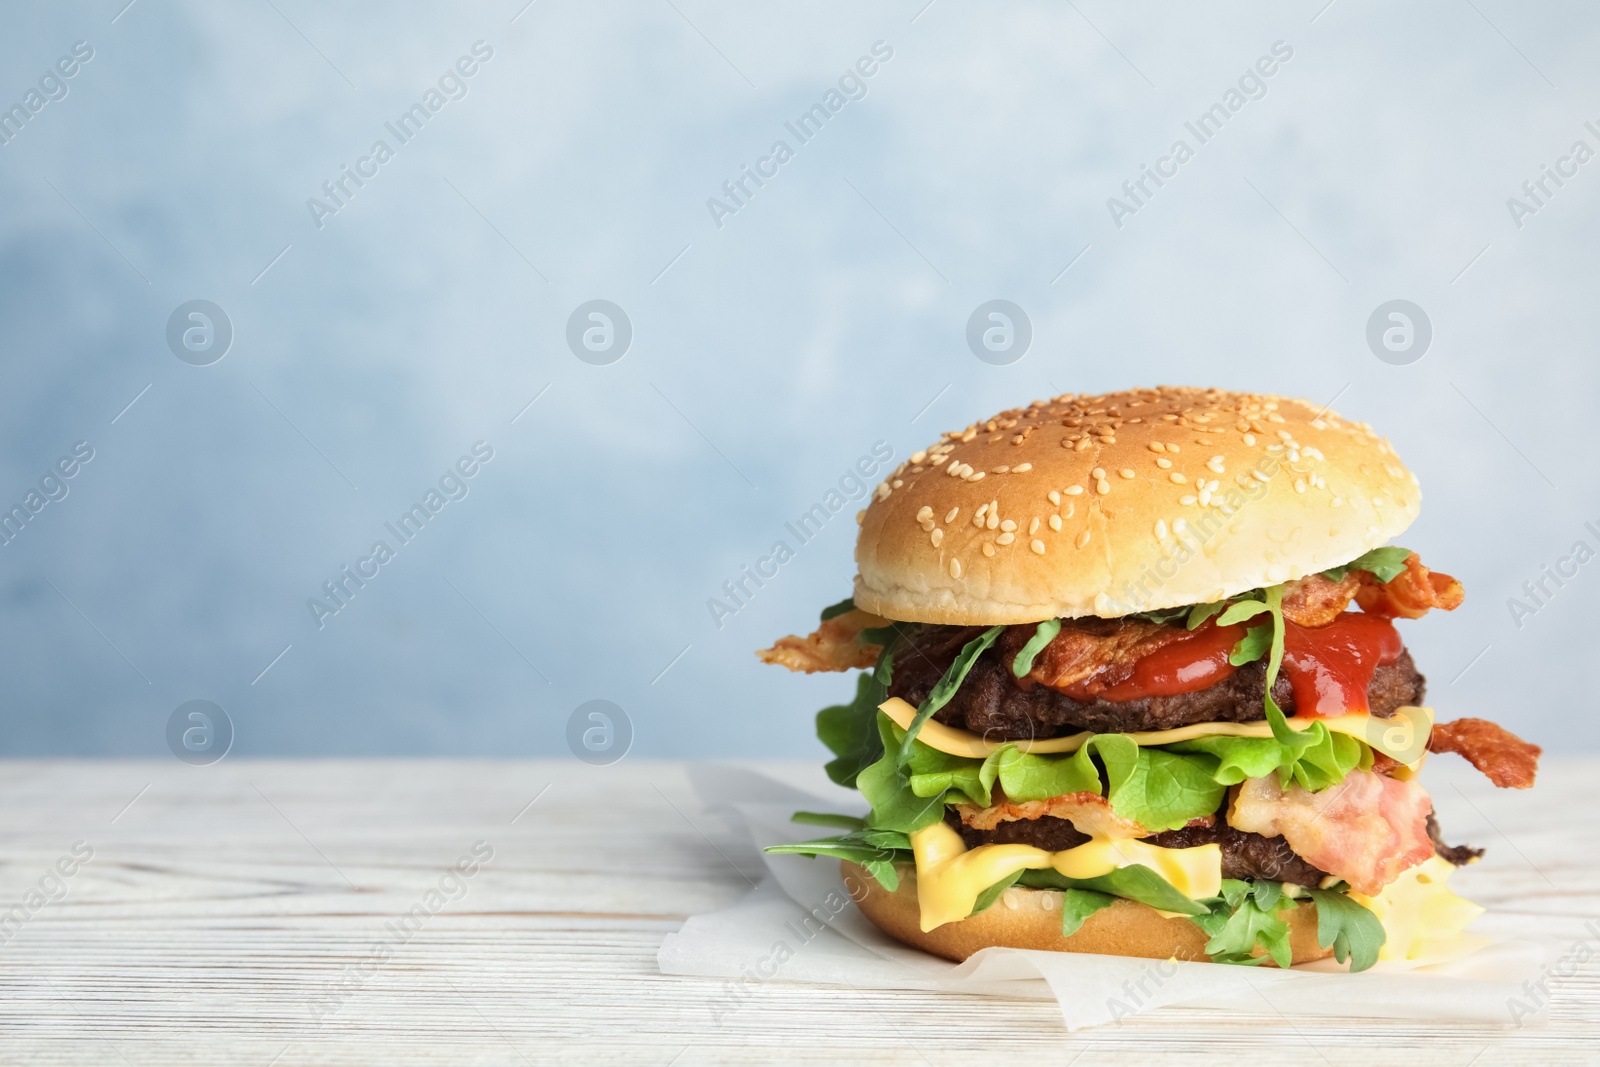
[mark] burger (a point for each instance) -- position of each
(1133, 682)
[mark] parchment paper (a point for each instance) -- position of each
(799, 925)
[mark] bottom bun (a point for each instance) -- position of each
(1031, 918)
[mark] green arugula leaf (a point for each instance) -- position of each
(1243, 917)
(1160, 615)
(850, 730)
(1351, 930)
(834, 610)
(947, 685)
(828, 818)
(1255, 643)
(992, 894)
(1043, 635)
(1385, 564)
(879, 862)
(1201, 612)
(1136, 882)
(1077, 905)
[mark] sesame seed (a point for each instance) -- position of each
(1173, 448)
(1161, 529)
(1217, 465)
(1157, 446)
(1081, 445)
(1008, 525)
(1337, 501)
(1055, 498)
(1164, 463)
(1102, 487)
(1037, 545)
(1055, 522)
(1187, 499)
(1005, 538)
(936, 537)
(1250, 439)
(1377, 501)
(861, 516)
(951, 515)
(1178, 479)
(1033, 527)
(1074, 490)
(1099, 474)
(1126, 472)
(1083, 539)
(1179, 525)
(1205, 498)
(924, 513)
(1260, 477)
(1299, 485)
(988, 549)
(976, 477)
(918, 457)
(1002, 470)
(955, 567)
(1022, 468)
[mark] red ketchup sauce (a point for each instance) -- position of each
(1194, 662)
(1329, 667)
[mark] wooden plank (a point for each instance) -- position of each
(254, 913)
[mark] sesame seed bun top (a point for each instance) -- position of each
(1131, 501)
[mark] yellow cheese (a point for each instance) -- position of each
(950, 878)
(1395, 737)
(1421, 916)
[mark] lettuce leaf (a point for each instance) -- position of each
(887, 787)
(850, 730)
(1320, 765)
(1383, 564)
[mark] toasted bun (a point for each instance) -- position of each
(1031, 918)
(1297, 490)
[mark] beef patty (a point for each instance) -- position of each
(992, 703)
(1244, 855)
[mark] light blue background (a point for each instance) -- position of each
(827, 314)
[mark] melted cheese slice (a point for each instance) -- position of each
(950, 877)
(1395, 737)
(1423, 919)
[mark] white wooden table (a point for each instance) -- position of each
(230, 915)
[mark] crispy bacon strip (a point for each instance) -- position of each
(1504, 758)
(1090, 812)
(1367, 829)
(1409, 594)
(835, 645)
(1101, 652)
(1316, 600)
